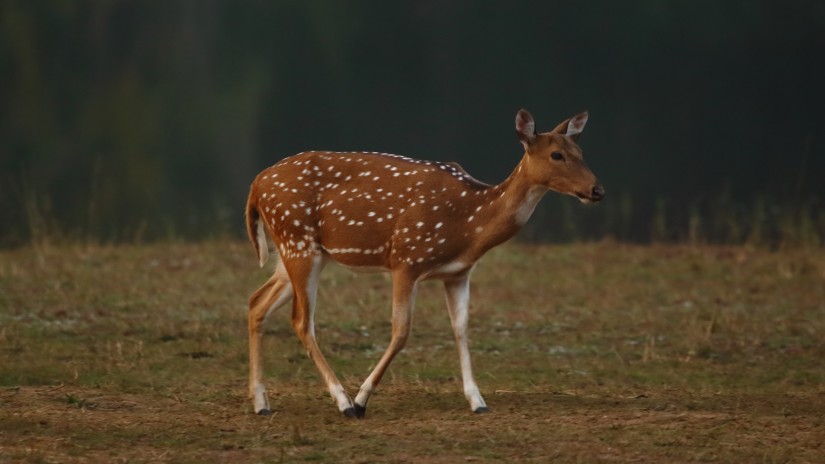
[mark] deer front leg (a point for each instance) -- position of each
(274, 293)
(403, 301)
(458, 305)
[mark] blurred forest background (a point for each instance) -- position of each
(135, 121)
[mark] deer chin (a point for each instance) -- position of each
(582, 197)
(595, 195)
(586, 199)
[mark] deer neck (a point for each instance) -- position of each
(511, 205)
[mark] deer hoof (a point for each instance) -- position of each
(481, 410)
(360, 411)
(356, 411)
(264, 412)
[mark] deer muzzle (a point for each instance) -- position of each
(593, 196)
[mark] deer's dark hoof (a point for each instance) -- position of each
(481, 410)
(264, 412)
(360, 411)
(356, 411)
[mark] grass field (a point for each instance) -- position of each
(585, 353)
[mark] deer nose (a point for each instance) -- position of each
(598, 193)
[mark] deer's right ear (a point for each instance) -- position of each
(525, 127)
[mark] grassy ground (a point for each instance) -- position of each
(597, 352)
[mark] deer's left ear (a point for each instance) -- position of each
(573, 126)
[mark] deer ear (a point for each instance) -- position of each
(525, 127)
(573, 126)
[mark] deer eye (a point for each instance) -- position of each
(556, 156)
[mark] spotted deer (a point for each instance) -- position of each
(417, 220)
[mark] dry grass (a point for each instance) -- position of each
(599, 352)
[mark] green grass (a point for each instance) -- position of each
(591, 352)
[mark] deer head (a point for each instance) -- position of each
(554, 160)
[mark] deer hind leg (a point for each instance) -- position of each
(458, 305)
(403, 301)
(304, 274)
(273, 294)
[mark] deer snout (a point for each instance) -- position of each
(597, 194)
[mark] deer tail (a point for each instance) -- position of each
(255, 229)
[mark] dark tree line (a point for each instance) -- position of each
(123, 120)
